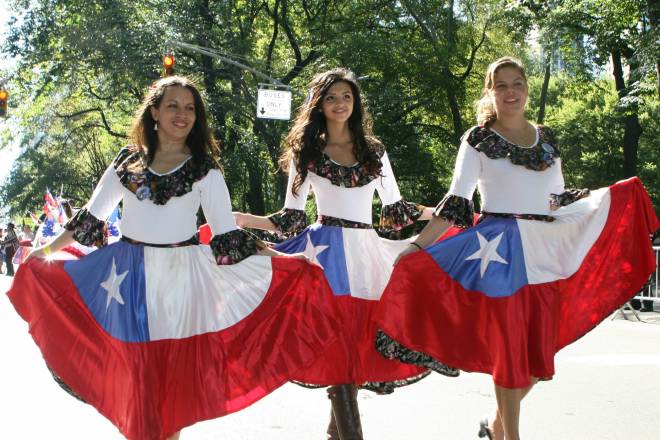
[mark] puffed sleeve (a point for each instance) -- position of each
(229, 244)
(88, 225)
(292, 218)
(457, 206)
(396, 212)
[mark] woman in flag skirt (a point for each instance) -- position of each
(156, 331)
(330, 150)
(543, 266)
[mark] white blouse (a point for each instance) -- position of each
(173, 222)
(352, 204)
(503, 186)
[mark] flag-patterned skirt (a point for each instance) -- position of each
(504, 296)
(157, 339)
(357, 264)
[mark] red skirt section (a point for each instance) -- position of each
(515, 337)
(151, 390)
(353, 359)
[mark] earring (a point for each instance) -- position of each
(156, 126)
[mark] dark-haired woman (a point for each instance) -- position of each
(330, 150)
(156, 331)
(542, 267)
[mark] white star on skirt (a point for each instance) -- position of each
(487, 252)
(312, 251)
(112, 285)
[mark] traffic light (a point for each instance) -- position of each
(168, 63)
(4, 96)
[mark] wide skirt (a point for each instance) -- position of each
(157, 339)
(504, 296)
(357, 264)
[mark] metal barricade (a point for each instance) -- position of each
(651, 292)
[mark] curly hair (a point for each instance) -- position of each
(307, 137)
(201, 142)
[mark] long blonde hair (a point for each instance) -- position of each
(486, 114)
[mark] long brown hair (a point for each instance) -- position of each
(486, 114)
(307, 138)
(201, 142)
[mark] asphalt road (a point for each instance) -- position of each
(607, 387)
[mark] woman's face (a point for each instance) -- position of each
(509, 92)
(175, 114)
(337, 104)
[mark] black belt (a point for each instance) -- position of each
(539, 217)
(190, 242)
(326, 220)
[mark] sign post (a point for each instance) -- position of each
(274, 102)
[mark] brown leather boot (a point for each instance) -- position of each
(345, 411)
(332, 432)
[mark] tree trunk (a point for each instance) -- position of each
(255, 195)
(544, 89)
(632, 129)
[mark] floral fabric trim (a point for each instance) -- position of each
(456, 210)
(398, 215)
(87, 229)
(63, 385)
(539, 217)
(567, 197)
(381, 388)
(137, 178)
(391, 349)
(289, 221)
(346, 176)
(192, 241)
(537, 158)
(327, 220)
(234, 246)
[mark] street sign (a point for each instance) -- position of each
(273, 103)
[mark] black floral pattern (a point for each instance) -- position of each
(456, 210)
(377, 387)
(398, 215)
(537, 158)
(391, 349)
(538, 217)
(567, 197)
(137, 178)
(327, 220)
(346, 176)
(63, 385)
(87, 229)
(234, 246)
(383, 388)
(289, 221)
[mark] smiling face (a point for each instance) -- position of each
(509, 91)
(175, 114)
(337, 105)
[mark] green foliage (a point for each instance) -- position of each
(83, 67)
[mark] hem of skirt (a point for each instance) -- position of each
(391, 349)
(381, 388)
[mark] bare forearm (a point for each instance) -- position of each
(61, 241)
(254, 221)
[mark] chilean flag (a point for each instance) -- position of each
(504, 296)
(357, 264)
(157, 339)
